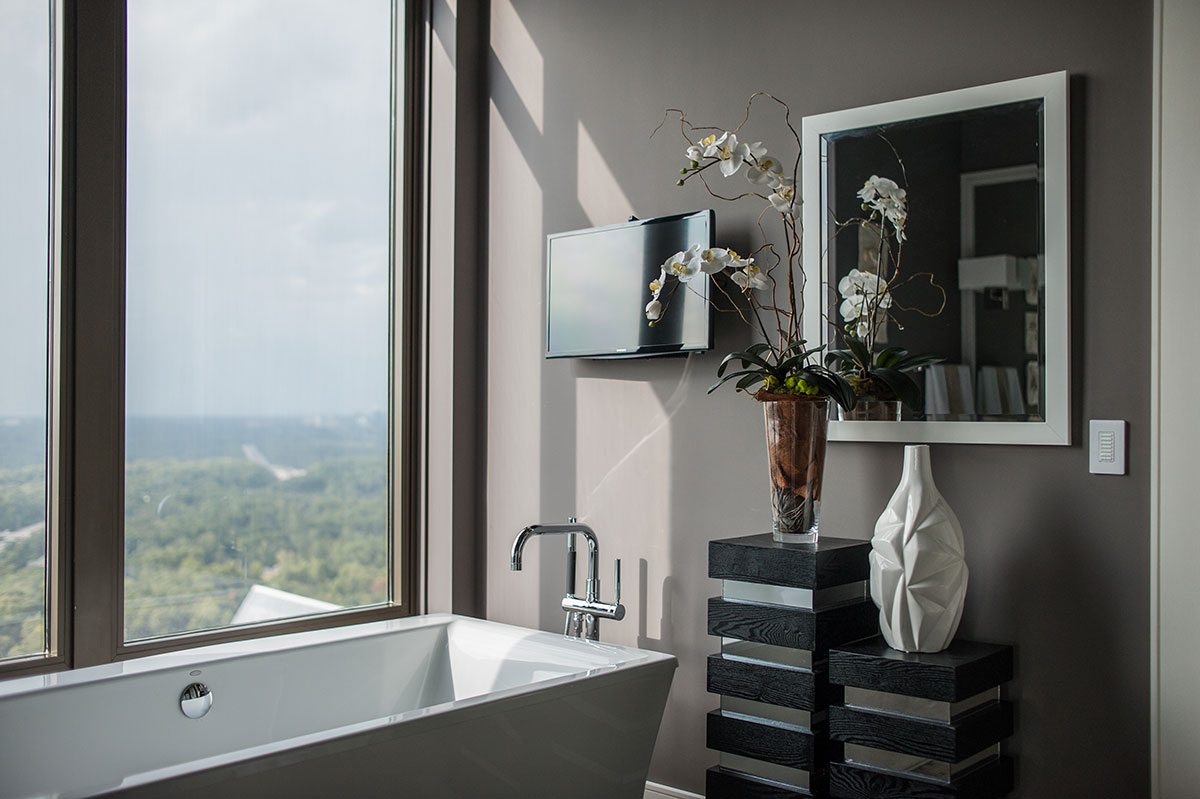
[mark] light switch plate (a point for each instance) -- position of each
(1107, 446)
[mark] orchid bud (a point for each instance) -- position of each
(695, 164)
(683, 170)
(679, 182)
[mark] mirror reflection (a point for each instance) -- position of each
(970, 290)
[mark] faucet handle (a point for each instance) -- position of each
(617, 581)
(570, 564)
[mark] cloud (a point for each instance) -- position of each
(258, 191)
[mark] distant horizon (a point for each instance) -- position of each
(299, 439)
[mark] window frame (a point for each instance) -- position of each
(86, 452)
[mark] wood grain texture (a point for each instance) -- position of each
(795, 627)
(722, 783)
(759, 559)
(912, 736)
(772, 741)
(859, 782)
(963, 670)
(785, 686)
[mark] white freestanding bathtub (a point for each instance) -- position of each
(430, 706)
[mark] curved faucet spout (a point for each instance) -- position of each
(550, 529)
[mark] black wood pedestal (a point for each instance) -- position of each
(781, 609)
(920, 725)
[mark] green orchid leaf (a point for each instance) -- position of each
(796, 361)
(747, 381)
(728, 359)
(890, 357)
(832, 384)
(798, 344)
(746, 358)
(917, 361)
(904, 387)
(755, 372)
(861, 354)
(839, 356)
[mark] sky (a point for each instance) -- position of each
(257, 205)
(24, 182)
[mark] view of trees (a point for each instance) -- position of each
(202, 529)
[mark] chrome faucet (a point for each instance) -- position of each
(583, 614)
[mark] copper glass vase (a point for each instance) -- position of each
(796, 430)
(871, 410)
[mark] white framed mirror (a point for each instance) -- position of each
(986, 174)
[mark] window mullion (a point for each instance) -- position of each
(94, 322)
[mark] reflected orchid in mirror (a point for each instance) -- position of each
(864, 295)
(884, 196)
(866, 302)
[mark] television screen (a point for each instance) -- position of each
(596, 290)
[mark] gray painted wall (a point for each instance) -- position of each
(1059, 558)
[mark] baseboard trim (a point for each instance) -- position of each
(656, 791)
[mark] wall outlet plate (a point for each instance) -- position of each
(1106, 446)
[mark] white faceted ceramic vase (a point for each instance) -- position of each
(918, 574)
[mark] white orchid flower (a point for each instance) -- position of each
(876, 186)
(656, 286)
(850, 309)
(713, 260)
(865, 283)
(765, 169)
(757, 150)
(730, 152)
(705, 148)
(784, 198)
(738, 262)
(855, 310)
(750, 278)
(711, 144)
(654, 310)
(683, 266)
(864, 293)
(858, 282)
(894, 211)
(861, 305)
(885, 197)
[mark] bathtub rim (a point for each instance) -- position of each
(213, 653)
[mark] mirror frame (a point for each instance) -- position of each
(1052, 89)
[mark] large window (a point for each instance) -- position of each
(241, 279)
(257, 292)
(25, 228)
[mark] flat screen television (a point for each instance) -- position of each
(596, 290)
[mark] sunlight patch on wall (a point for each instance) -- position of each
(623, 478)
(515, 248)
(600, 195)
(519, 56)
(440, 459)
